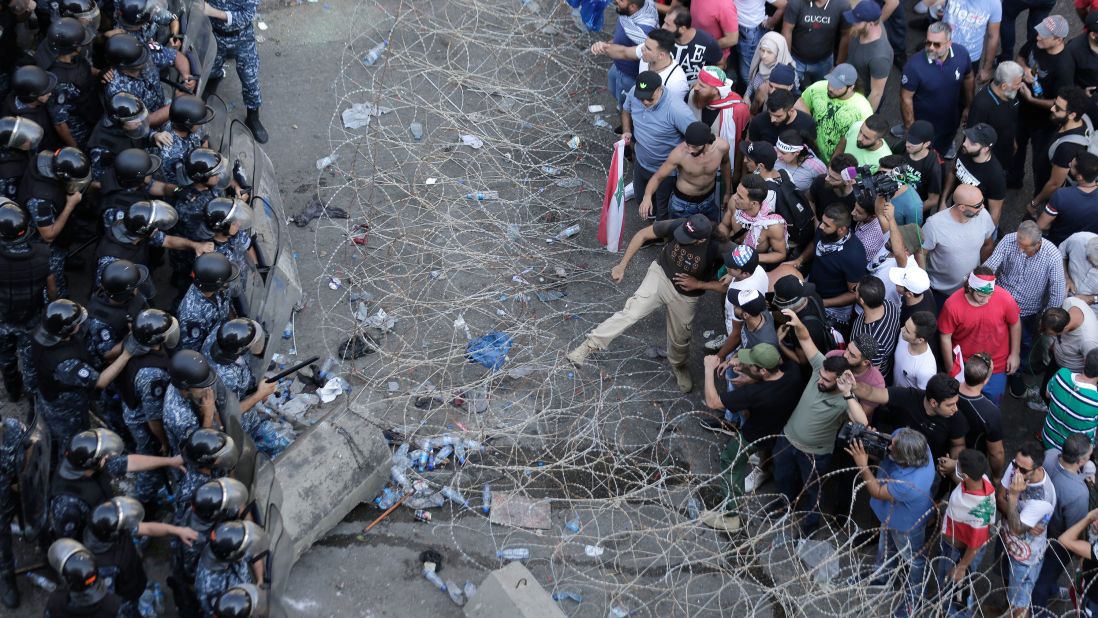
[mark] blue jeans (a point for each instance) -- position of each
(797, 474)
(709, 206)
(1022, 579)
(812, 72)
(619, 84)
(895, 548)
(749, 42)
(948, 556)
(1037, 11)
(996, 386)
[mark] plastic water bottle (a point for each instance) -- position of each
(455, 593)
(573, 524)
(288, 332)
(568, 232)
(325, 371)
(422, 515)
(398, 476)
(423, 457)
(567, 595)
(454, 496)
(401, 454)
(486, 499)
(483, 196)
(470, 590)
(440, 457)
(145, 605)
(430, 575)
(374, 54)
(387, 498)
(459, 452)
(600, 123)
(42, 582)
(416, 129)
(513, 553)
(692, 508)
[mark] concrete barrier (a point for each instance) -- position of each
(512, 592)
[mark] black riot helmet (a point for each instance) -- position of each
(133, 165)
(210, 448)
(74, 563)
(67, 35)
(235, 337)
(214, 272)
(188, 111)
(20, 133)
(14, 221)
(124, 107)
(125, 51)
(241, 601)
(84, 11)
(220, 500)
(189, 369)
(63, 318)
(221, 213)
(134, 14)
(30, 82)
(144, 218)
(153, 327)
(201, 164)
(116, 517)
(238, 540)
(88, 448)
(121, 277)
(70, 164)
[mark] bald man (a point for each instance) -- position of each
(956, 240)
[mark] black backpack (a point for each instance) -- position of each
(794, 207)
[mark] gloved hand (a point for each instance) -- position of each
(130, 345)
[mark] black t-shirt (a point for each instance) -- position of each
(1002, 115)
(905, 409)
(762, 130)
(1062, 155)
(815, 29)
(930, 173)
(1081, 62)
(985, 421)
(771, 403)
(833, 272)
(1075, 211)
(815, 321)
(701, 261)
(702, 50)
(988, 176)
(1051, 73)
(823, 196)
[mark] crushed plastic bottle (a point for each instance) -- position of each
(41, 581)
(567, 595)
(568, 232)
(422, 515)
(401, 454)
(470, 590)
(399, 477)
(692, 508)
(600, 123)
(423, 456)
(375, 53)
(430, 575)
(486, 499)
(454, 496)
(325, 372)
(459, 452)
(455, 593)
(618, 612)
(573, 524)
(569, 183)
(416, 129)
(550, 170)
(387, 498)
(483, 196)
(440, 457)
(513, 553)
(288, 332)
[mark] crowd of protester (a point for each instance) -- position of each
(879, 309)
(106, 173)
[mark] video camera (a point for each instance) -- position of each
(868, 186)
(874, 442)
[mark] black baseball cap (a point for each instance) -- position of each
(982, 134)
(788, 291)
(760, 152)
(697, 227)
(920, 131)
(647, 82)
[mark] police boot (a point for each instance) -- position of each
(9, 593)
(13, 383)
(252, 122)
(211, 87)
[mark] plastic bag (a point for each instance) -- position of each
(490, 350)
(593, 13)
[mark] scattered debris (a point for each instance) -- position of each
(326, 161)
(316, 209)
(359, 115)
(575, 142)
(593, 551)
(357, 346)
(380, 320)
(512, 509)
(472, 141)
(360, 233)
(595, 109)
(490, 350)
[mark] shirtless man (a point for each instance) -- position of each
(753, 222)
(697, 161)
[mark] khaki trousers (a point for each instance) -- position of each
(654, 292)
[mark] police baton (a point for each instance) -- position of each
(79, 248)
(298, 367)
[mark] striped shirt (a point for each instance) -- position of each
(1073, 408)
(1036, 282)
(885, 331)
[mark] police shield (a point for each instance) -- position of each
(279, 561)
(246, 465)
(198, 40)
(34, 479)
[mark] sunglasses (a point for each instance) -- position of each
(976, 206)
(935, 44)
(1022, 470)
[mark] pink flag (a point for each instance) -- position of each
(611, 223)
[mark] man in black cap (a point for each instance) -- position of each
(696, 162)
(919, 153)
(977, 166)
(675, 280)
(801, 297)
(659, 123)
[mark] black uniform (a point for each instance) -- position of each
(66, 381)
(24, 270)
(120, 569)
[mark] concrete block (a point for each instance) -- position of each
(340, 462)
(512, 592)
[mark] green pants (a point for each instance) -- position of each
(734, 469)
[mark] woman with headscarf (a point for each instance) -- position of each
(772, 51)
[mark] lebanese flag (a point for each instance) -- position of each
(611, 223)
(958, 363)
(969, 515)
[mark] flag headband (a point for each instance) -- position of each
(984, 284)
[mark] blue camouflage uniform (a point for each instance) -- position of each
(147, 86)
(12, 451)
(184, 492)
(173, 154)
(190, 207)
(181, 415)
(213, 577)
(237, 39)
(44, 213)
(15, 337)
(156, 239)
(151, 385)
(199, 316)
(184, 558)
(67, 414)
(235, 249)
(239, 379)
(69, 513)
(70, 94)
(118, 565)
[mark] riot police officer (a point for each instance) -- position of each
(31, 89)
(84, 11)
(232, 26)
(243, 601)
(215, 502)
(83, 595)
(145, 20)
(24, 278)
(205, 169)
(19, 137)
(226, 349)
(142, 386)
(115, 304)
(52, 187)
(125, 125)
(208, 454)
(137, 73)
(74, 106)
(226, 560)
(194, 400)
(229, 222)
(129, 181)
(187, 115)
(66, 378)
(82, 481)
(206, 303)
(12, 452)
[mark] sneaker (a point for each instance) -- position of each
(578, 356)
(756, 479)
(682, 376)
(717, 520)
(1017, 388)
(715, 344)
(1037, 406)
(628, 192)
(715, 425)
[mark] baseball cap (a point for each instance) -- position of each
(788, 291)
(749, 300)
(912, 278)
(762, 355)
(866, 10)
(647, 82)
(920, 131)
(760, 152)
(1091, 21)
(783, 75)
(842, 76)
(741, 257)
(982, 134)
(697, 227)
(699, 134)
(1053, 25)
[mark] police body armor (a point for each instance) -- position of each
(40, 115)
(121, 564)
(157, 359)
(117, 317)
(58, 606)
(45, 359)
(107, 139)
(114, 195)
(22, 279)
(13, 162)
(110, 245)
(37, 184)
(87, 103)
(92, 491)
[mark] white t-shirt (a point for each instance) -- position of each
(1035, 506)
(912, 371)
(674, 79)
(751, 13)
(757, 281)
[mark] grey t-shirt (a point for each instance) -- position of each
(1072, 347)
(765, 334)
(1072, 496)
(1083, 273)
(953, 249)
(873, 60)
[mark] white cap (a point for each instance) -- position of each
(912, 278)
